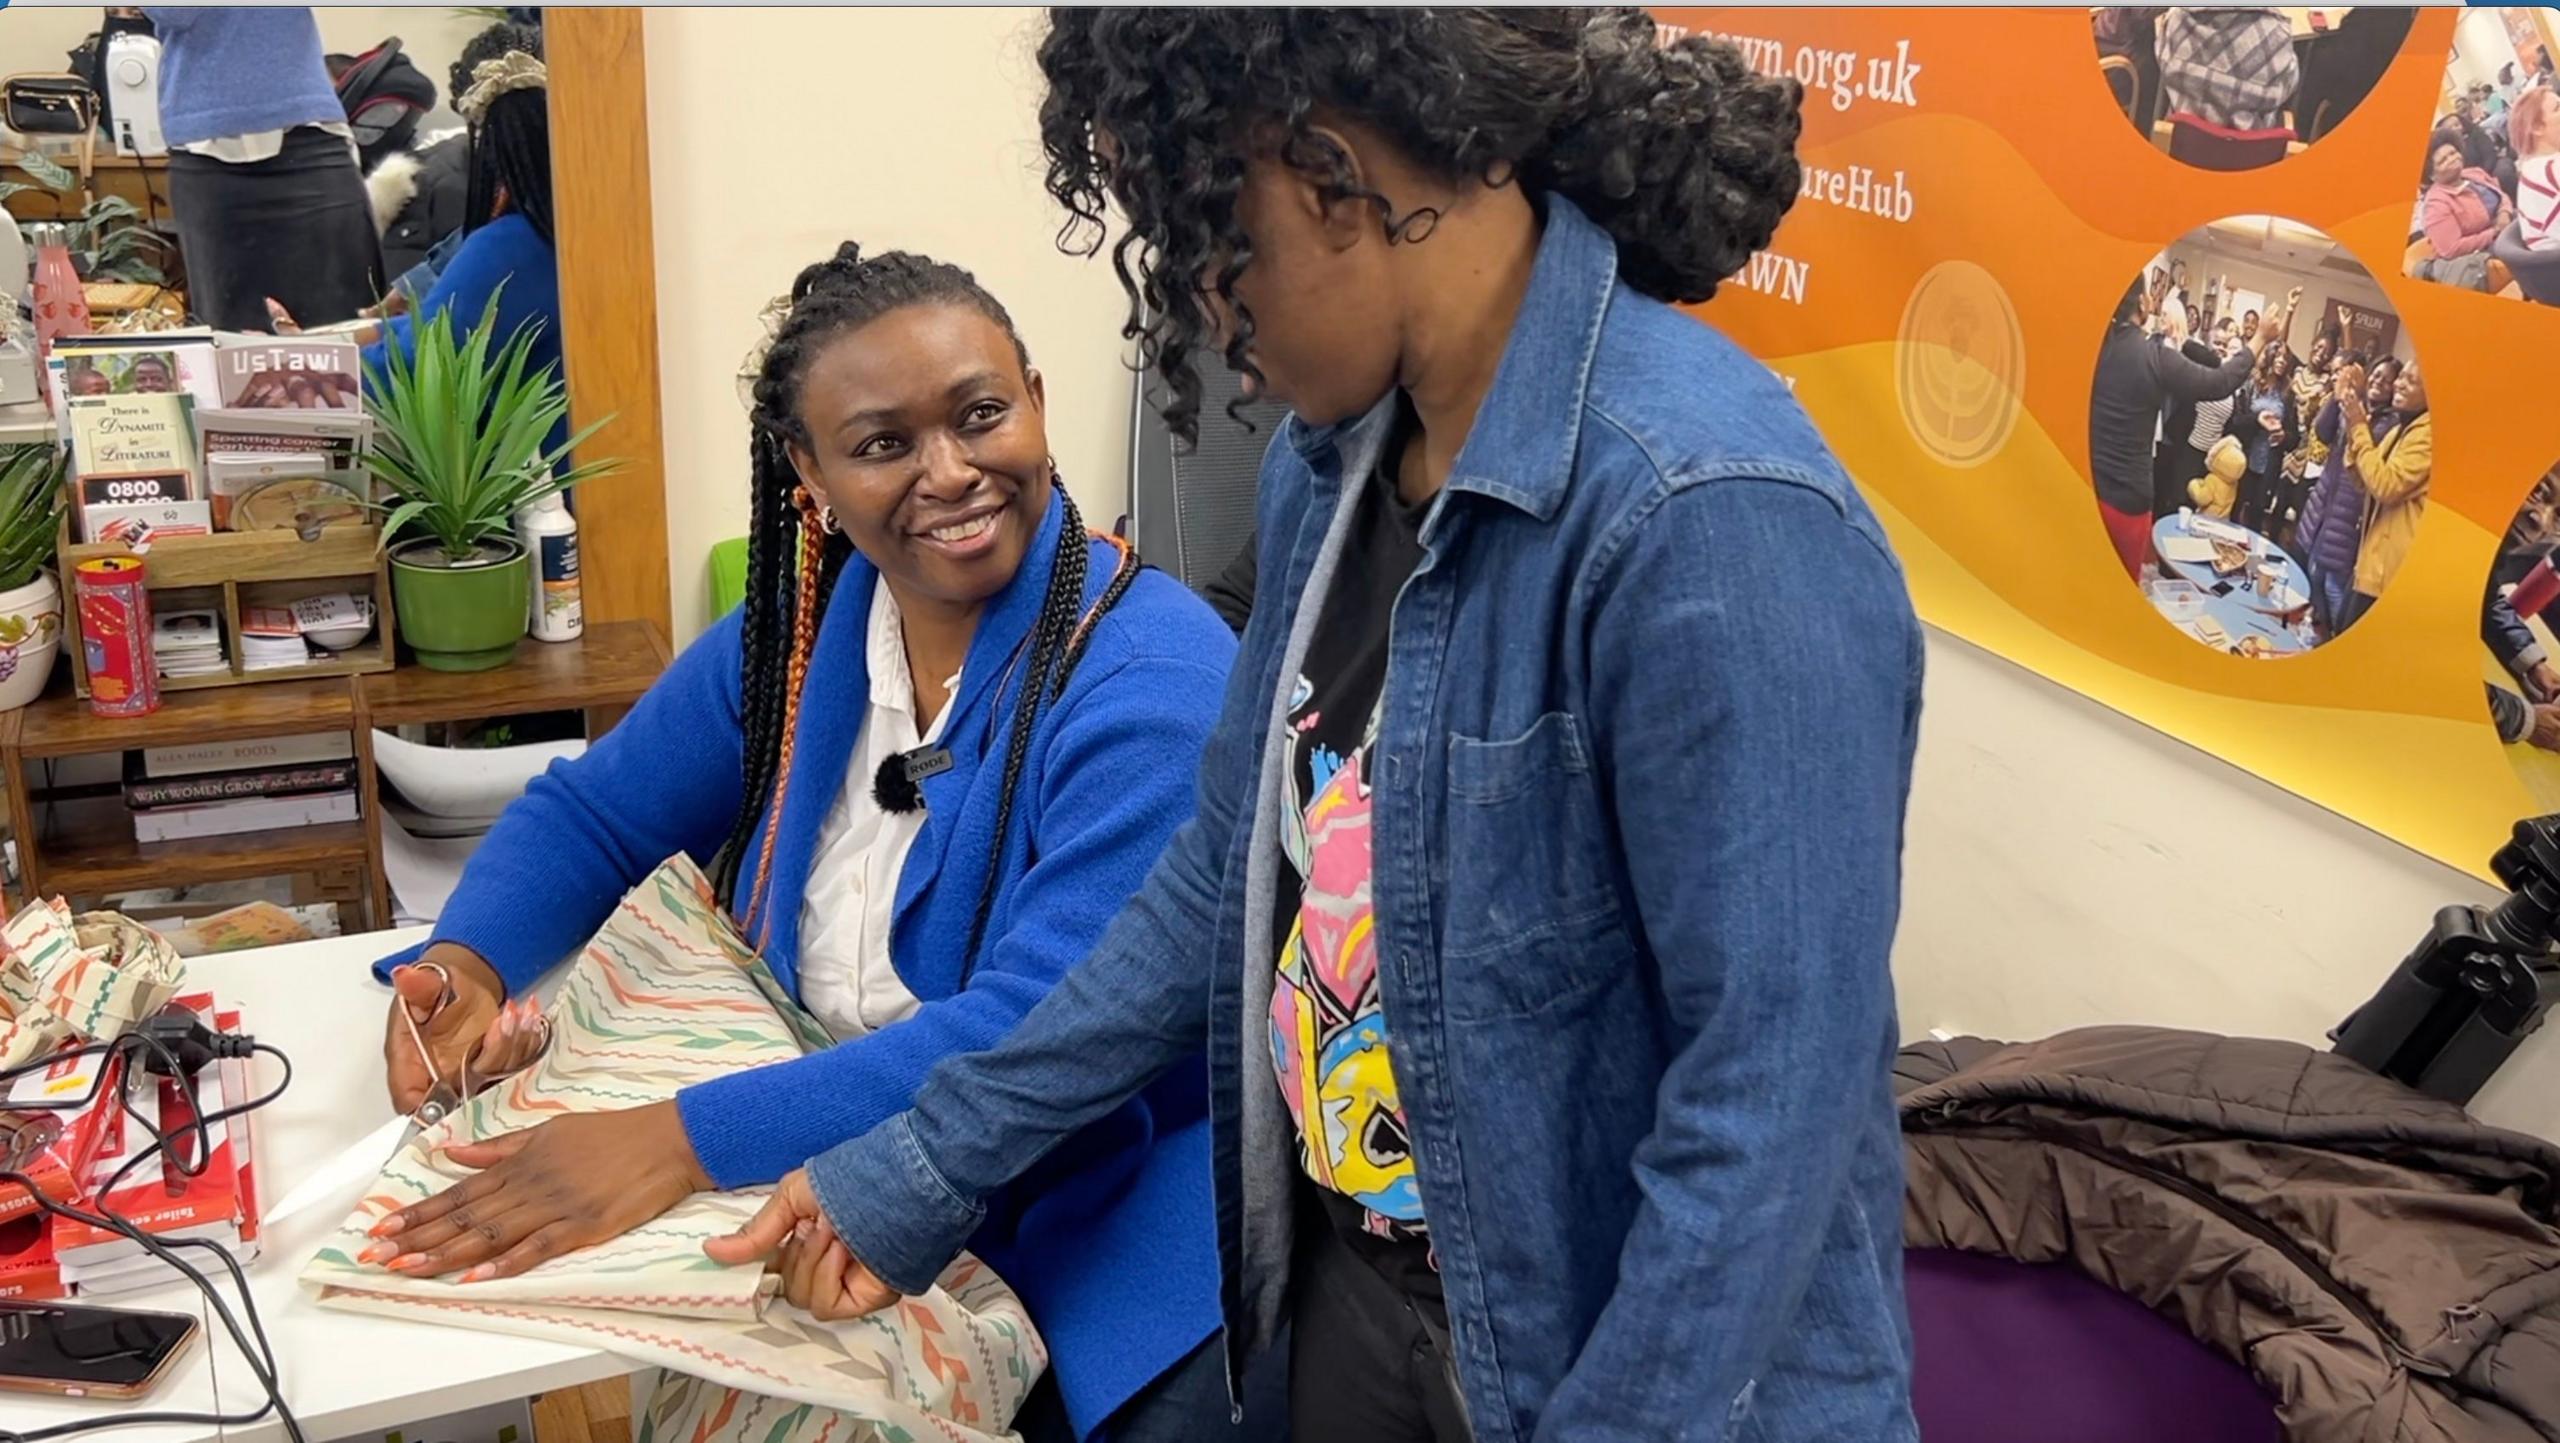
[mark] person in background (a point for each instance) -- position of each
(2463, 211)
(150, 375)
(2268, 427)
(2479, 148)
(2393, 462)
(918, 576)
(2331, 533)
(2137, 376)
(263, 180)
(2534, 127)
(507, 253)
(2534, 715)
(1610, 1155)
(2228, 66)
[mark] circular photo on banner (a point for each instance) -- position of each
(2520, 660)
(2259, 437)
(2487, 213)
(2234, 87)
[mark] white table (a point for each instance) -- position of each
(343, 1373)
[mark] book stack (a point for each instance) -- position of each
(222, 789)
(58, 1167)
(188, 643)
(201, 1185)
(270, 639)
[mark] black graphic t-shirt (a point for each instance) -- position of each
(1328, 1031)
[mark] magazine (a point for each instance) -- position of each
(245, 449)
(298, 373)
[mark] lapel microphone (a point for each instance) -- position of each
(896, 786)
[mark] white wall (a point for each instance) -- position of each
(2067, 867)
(776, 133)
(37, 37)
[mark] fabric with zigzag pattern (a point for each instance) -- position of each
(667, 995)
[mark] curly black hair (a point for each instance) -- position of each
(1682, 153)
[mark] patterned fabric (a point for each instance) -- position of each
(2234, 68)
(666, 995)
(63, 980)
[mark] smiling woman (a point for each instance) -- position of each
(997, 669)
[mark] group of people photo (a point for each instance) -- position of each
(2261, 460)
(2488, 206)
(2237, 87)
(2523, 663)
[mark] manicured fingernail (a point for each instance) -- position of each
(506, 1021)
(408, 1262)
(386, 1227)
(481, 1274)
(378, 1253)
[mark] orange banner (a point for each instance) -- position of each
(2012, 218)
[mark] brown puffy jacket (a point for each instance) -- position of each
(2388, 1268)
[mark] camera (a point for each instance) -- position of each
(2475, 986)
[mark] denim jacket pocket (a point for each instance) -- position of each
(1533, 896)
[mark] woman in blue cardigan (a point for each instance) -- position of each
(920, 586)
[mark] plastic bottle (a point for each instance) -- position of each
(550, 537)
(62, 308)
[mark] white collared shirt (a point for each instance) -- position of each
(847, 980)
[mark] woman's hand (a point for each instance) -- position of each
(819, 1274)
(280, 320)
(570, 1183)
(476, 1017)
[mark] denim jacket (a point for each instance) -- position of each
(1646, 739)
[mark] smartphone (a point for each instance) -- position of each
(88, 1352)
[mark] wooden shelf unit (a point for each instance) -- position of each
(230, 572)
(600, 674)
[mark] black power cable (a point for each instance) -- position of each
(173, 1049)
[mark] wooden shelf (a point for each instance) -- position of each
(61, 725)
(104, 857)
(608, 667)
(600, 673)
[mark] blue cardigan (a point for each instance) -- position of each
(506, 258)
(1110, 1241)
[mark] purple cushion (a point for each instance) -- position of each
(2028, 1353)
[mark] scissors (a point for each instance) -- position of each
(364, 1160)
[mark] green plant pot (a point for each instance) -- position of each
(461, 618)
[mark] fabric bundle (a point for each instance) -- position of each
(68, 980)
(666, 995)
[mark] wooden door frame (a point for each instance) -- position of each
(608, 302)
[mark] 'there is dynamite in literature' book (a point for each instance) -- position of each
(135, 460)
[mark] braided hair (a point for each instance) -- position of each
(511, 146)
(793, 563)
(1679, 151)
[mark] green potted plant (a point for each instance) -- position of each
(460, 445)
(31, 504)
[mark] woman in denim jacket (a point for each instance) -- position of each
(1536, 907)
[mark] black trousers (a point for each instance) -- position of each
(1368, 1364)
(295, 226)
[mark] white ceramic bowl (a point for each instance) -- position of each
(339, 638)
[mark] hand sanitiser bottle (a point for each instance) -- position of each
(550, 537)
